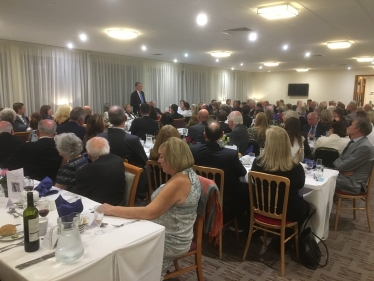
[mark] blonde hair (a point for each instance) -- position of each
(261, 124)
(277, 152)
(177, 154)
(326, 116)
(62, 113)
(163, 135)
(193, 121)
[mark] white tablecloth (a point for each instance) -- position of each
(320, 194)
(132, 252)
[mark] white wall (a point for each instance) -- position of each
(323, 85)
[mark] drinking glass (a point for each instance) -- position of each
(43, 207)
(309, 165)
(28, 184)
(99, 215)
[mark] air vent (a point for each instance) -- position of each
(157, 54)
(236, 30)
(317, 55)
(343, 64)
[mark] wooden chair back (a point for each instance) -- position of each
(23, 135)
(132, 174)
(155, 176)
(216, 175)
(179, 123)
(328, 156)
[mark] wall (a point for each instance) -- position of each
(323, 85)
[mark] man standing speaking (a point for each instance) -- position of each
(137, 97)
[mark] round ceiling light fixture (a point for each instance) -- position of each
(271, 63)
(202, 19)
(220, 54)
(121, 33)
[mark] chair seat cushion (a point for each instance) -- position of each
(270, 220)
(350, 194)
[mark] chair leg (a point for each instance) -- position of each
(199, 269)
(176, 265)
(236, 229)
(220, 246)
(354, 208)
(337, 213)
(368, 213)
(282, 250)
(250, 232)
(296, 229)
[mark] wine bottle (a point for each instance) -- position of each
(31, 225)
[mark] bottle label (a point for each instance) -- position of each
(33, 229)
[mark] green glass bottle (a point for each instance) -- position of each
(31, 225)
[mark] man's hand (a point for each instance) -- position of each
(347, 174)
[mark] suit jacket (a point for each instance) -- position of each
(72, 127)
(239, 137)
(19, 125)
(136, 101)
(8, 144)
(158, 110)
(237, 109)
(38, 159)
(142, 126)
(358, 159)
(102, 181)
(247, 120)
(126, 146)
(225, 127)
(176, 115)
(195, 132)
(320, 130)
(252, 112)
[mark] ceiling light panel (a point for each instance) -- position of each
(252, 36)
(202, 19)
(365, 59)
(302, 69)
(271, 63)
(121, 33)
(220, 54)
(277, 12)
(338, 45)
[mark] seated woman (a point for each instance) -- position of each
(128, 112)
(33, 123)
(257, 132)
(166, 119)
(46, 112)
(338, 115)
(277, 160)
(326, 117)
(69, 146)
(292, 127)
(174, 204)
(337, 138)
(95, 125)
(193, 121)
(163, 135)
(62, 115)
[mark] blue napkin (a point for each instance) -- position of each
(314, 162)
(64, 208)
(44, 187)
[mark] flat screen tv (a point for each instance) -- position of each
(298, 89)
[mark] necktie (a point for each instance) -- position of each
(313, 130)
(346, 148)
(141, 97)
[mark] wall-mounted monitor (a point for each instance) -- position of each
(298, 89)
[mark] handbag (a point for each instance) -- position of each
(310, 253)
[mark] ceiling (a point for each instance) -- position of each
(168, 28)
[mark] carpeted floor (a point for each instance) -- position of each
(351, 256)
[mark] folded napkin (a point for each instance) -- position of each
(64, 208)
(44, 187)
(314, 162)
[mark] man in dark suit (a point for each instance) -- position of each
(356, 161)
(145, 125)
(222, 117)
(137, 97)
(174, 112)
(237, 106)
(210, 154)
(196, 132)
(75, 124)
(252, 106)
(8, 142)
(88, 111)
(314, 128)
(239, 135)
(38, 159)
(21, 122)
(103, 180)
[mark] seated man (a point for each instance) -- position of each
(38, 159)
(77, 116)
(21, 122)
(239, 135)
(186, 110)
(145, 125)
(210, 154)
(8, 142)
(222, 117)
(355, 162)
(103, 180)
(196, 132)
(314, 128)
(174, 111)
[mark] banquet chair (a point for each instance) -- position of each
(132, 175)
(263, 216)
(218, 176)
(23, 135)
(179, 123)
(363, 195)
(155, 177)
(328, 156)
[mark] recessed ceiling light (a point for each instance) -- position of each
(83, 37)
(241, 64)
(175, 60)
(201, 19)
(186, 55)
(285, 47)
(144, 48)
(268, 70)
(271, 63)
(365, 59)
(252, 36)
(307, 54)
(277, 12)
(349, 67)
(70, 45)
(121, 33)
(260, 67)
(232, 68)
(220, 54)
(338, 45)
(302, 69)
(217, 60)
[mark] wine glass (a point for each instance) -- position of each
(28, 184)
(99, 215)
(43, 207)
(309, 165)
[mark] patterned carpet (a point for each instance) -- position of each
(351, 251)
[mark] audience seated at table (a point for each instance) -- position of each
(186, 112)
(144, 125)
(277, 160)
(257, 132)
(195, 132)
(222, 117)
(356, 161)
(88, 110)
(163, 135)
(239, 135)
(270, 116)
(336, 139)
(314, 128)
(247, 119)
(193, 120)
(34, 121)
(338, 115)
(174, 204)
(8, 142)
(174, 111)
(38, 159)
(292, 127)
(128, 111)
(351, 112)
(69, 147)
(166, 119)
(95, 125)
(103, 180)
(326, 117)
(75, 124)
(153, 113)
(46, 112)
(210, 154)
(62, 114)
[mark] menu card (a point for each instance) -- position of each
(15, 184)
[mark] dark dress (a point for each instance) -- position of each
(67, 173)
(298, 208)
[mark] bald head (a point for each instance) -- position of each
(87, 109)
(203, 115)
(6, 127)
(46, 128)
(97, 147)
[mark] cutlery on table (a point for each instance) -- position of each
(6, 248)
(125, 223)
(35, 261)
(13, 211)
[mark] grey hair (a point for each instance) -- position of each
(69, 145)
(235, 117)
(50, 131)
(288, 114)
(8, 114)
(96, 151)
(301, 110)
(116, 115)
(77, 113)
(7, 128)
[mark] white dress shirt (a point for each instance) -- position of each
(332, 141)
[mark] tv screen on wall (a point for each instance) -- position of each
(298, 89)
